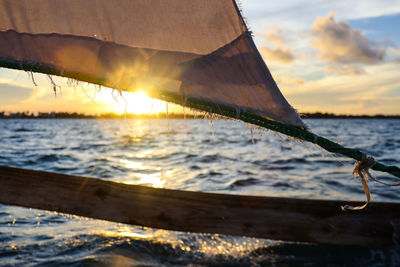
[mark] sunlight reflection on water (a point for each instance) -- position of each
(186, 157)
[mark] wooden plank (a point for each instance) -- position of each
(317, 221)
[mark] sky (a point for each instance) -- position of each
(337, 56)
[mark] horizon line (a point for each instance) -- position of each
(191, 114)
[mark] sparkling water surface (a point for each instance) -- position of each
(188, 155)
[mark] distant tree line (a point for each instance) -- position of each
(76, 115)
(320, 115)
(43, 115)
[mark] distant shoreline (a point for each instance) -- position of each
(319, 115)
(75, 115)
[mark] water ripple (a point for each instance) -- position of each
(190, 157)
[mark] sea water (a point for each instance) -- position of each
(188, 155)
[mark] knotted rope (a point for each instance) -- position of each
(361, 168)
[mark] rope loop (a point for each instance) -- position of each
(361, 168)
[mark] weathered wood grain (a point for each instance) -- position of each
(317, 221)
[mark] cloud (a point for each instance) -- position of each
(345, 69)
(10, 94)
(350, 94)
(274, 36)
(277, 52)
(288, 81)
(394, 51)
(338, 43)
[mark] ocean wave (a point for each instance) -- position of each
(245, 182)
(188, 157)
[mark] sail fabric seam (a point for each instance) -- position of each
(93, 39)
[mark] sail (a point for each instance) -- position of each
(198, 49)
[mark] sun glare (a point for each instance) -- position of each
(106, 100)
(137, 103)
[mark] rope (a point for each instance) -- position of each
(227, 111)
(361, 168)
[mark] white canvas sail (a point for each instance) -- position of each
(199, 49)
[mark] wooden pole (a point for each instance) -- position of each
(317, 221)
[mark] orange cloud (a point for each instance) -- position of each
(345, 69)
(278, 52)
(338, 43)
(394, 51)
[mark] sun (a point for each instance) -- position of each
(137, 103)
(110, 100)
(140, 103)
